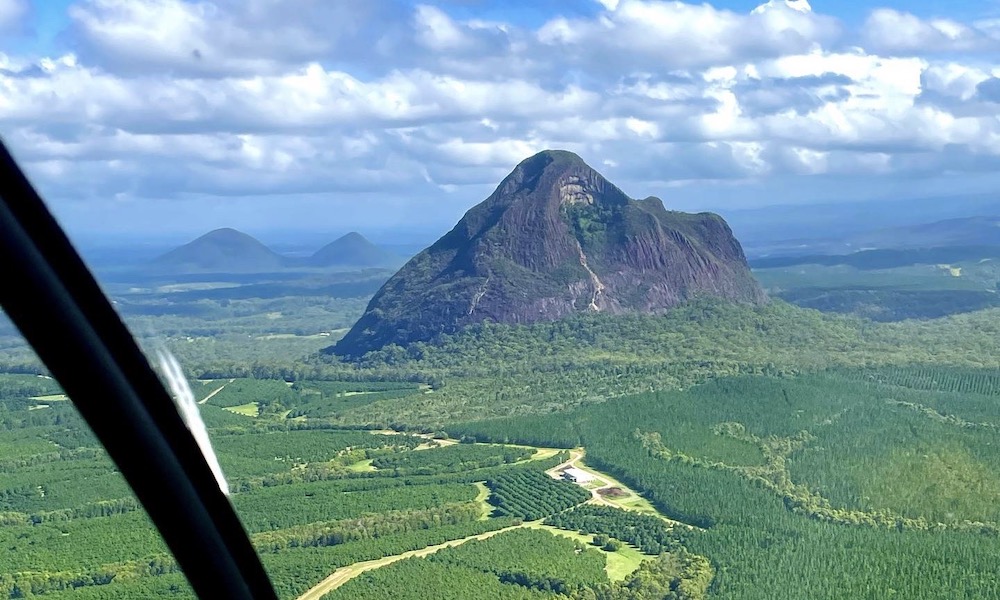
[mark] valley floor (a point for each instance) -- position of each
(620, 563)
(345, 574)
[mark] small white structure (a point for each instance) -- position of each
(577, 475)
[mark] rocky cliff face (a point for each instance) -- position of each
(554, 239)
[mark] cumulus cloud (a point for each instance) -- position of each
(381, 102)
(892, 31)
(227, 37)
(653, 34)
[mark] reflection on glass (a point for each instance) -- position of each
(71, 527)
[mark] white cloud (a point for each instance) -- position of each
(437, 30)
(643, 34)
(171, 99)
(801, 6)
(224, 37)
(892, 31)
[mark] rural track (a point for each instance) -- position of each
(345, 574)
(606, 481)
(209, 397)
(575, 456)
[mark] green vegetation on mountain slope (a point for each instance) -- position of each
(496, 370)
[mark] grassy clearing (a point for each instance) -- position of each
(250, 409)
(620, 563)
(362, 466)
(543, 453)
(630, 500)
(636, 503)
(482, 498)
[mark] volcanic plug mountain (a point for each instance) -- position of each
(555, 239)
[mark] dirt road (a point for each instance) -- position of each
(209, 397)
(626, 502)
(575, 456)
(345, 574)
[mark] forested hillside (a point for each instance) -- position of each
(802, 481)
(496, 370)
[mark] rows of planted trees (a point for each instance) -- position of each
(72, 529)
(531, 564)
(452, 459)
(532, 495)
(523, 563)
(860, 463)
(650, 534)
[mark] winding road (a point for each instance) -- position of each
(576, 455)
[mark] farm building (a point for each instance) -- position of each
(577, 475)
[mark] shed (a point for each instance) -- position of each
(577, 475)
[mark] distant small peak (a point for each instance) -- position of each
(353, 236)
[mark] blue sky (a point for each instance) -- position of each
(165, 118)
(49, 18)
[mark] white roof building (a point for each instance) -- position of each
(577, 475)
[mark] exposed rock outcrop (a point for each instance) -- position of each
(554, 239)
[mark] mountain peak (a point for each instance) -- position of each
(554, 157)
(556, 178)
(227, 233)
(352, 250)
(224, 250)
(555, 238)
(529, 170)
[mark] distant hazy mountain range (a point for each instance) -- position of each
(231, 251)
(851, 226)
(870, 234)
(969, 231)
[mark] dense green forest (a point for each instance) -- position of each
(311, 496)
(828, 448)
(854, 480)
(498, 370)
(648, 533)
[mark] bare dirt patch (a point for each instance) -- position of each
(613, 492)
